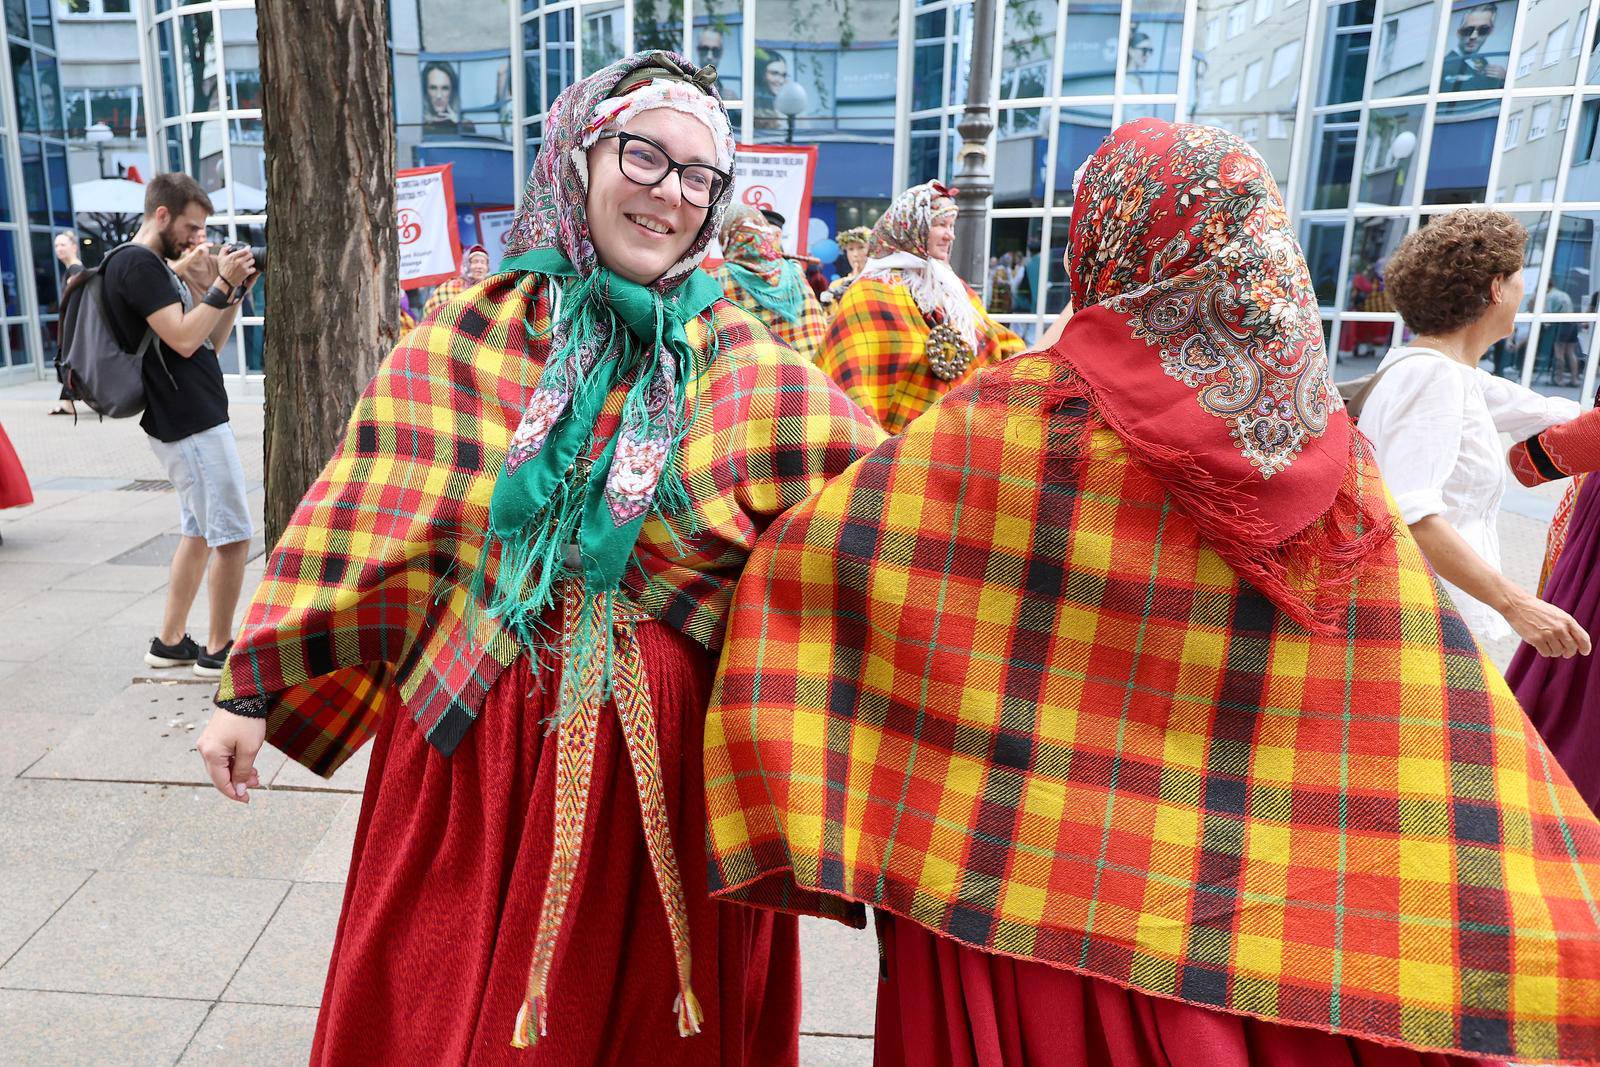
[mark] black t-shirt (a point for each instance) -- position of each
(138, 283)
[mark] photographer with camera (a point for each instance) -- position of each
(170, 281)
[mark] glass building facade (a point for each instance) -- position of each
(1374, 115)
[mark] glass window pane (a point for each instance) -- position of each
(167, 54)
(27, 96)
(197, 66)
(717, 39)
(1576, 265)
(1561, 359)
(1333, 158)
(174, 148)
(560, 53)
(924, 152)
(17, 19)
(1089, 59)
(960, 54)
(1057, 287)
(1372, 242)
(1531, 149)
(1406, 33)
(1479, 45)
(1014, 257)
(34, 183)
(1362, 346)
(6, 213)
(1323, 243)
(1549, 31)
(659, 24)
(1021, 145)
(1149, 111)
(50, 122)
(60, 186)
(1265, 59)
(242, 58)
(204, 162)
(10, 281)
(44, 33)
(17, 344)
(1505, 358)
(532, 82)
(1583, 176)
(1390, 156)
(1347, 42)
(1080, 131)
(44, 270)
(254, 345)
(1025, 54)
(1155, 42)
(1462, 149)
(603, 31)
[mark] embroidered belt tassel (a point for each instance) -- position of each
(575, 748)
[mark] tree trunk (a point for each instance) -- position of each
(332, 281)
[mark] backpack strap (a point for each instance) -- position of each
(1363, 393)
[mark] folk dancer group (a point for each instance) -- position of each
(1112, 681)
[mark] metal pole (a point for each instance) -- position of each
(973, 176)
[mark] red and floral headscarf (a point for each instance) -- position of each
(1198, 333)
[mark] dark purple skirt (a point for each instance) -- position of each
(1556, 693)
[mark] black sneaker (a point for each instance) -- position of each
(181, 654)
(209, 665)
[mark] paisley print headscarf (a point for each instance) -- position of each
(897, 252)
(755, 258)
(553, 511)
(1198, 333)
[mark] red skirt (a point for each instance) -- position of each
(447, 877)
(14, 488)
(941, 1004)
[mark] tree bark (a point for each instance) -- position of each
(332, 277)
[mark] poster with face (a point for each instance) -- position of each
(1479, 47)
(466, 95)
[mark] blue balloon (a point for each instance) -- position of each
(826, 250)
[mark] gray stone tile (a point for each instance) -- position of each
(290, 960)
(70, 824)
(330, 860)
(111, 577)
(835, 1051)
(350, 778)
(838, 974)
(147, 934)
(32, 895)
(199, 831)
(93, 682)
(79, 543)
(252, 1034)
(79, 1030)
(142, 736)
(26, 736)
(42, 624)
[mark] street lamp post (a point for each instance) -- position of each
(791, 101)
(98, 134)
(973, 177)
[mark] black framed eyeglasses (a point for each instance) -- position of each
(644, 162)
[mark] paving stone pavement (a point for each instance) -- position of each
(143, 919)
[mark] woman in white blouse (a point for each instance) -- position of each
(1435, 418)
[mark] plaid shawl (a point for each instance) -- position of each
(875, 349)
(804, 335)
(443, 293)
(993, 681)
(364, 603)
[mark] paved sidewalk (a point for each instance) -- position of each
(144, 919)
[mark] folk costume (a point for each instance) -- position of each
(1116, 687)
(451, 288)
(908, 330)
(513, 576)
(1559, 695)
(757, 276)
(855, 237)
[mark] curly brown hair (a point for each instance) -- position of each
(1439, 277)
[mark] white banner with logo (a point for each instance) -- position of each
(777, 178)
(425, 219)
(494, 227)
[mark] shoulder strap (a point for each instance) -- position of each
(1359, 401)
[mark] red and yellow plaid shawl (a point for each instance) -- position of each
(875, 349)
(804, 335)
(364, 605)
(1021, 702)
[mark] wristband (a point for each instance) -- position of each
(216, 298)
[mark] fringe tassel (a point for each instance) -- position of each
(1308, 575)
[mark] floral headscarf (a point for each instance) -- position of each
(1198, 332)
(755, 259)
(898, 252)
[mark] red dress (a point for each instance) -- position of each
(14, 488)
(447, 876)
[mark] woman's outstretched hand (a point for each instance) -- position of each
(229, 745)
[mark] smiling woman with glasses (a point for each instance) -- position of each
(644, 162)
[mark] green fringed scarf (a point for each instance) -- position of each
(784, 298)
(553, 515)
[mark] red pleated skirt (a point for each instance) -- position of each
(941, 1004)
(14, 488)
(447, 877)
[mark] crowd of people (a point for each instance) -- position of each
(1137, 692)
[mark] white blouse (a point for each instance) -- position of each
(1435, 424)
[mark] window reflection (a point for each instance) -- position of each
(1089, 55)
(1552, 43)
(1027, 48)
(1246, 76)
(1079, 133)
(1021, 145)
(242, 58)
(1347, 42)
(1155, 39)
(1014, 263)
(1372, 242)
(197, 64)
(1505, 358)
(1389, 158)
(1462, 149)
(1058, 287)
(1532, 143)
(1479, 42)
(603, 35)
(1406, 33)
(1323, 245)
(1576, 264)
(1333, 158)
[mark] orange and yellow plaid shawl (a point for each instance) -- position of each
(364, 603)
(804, 335)
(875, 349)
(1018, 701)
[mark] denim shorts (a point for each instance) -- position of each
(205, 470)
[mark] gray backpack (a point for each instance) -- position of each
(99, 365)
